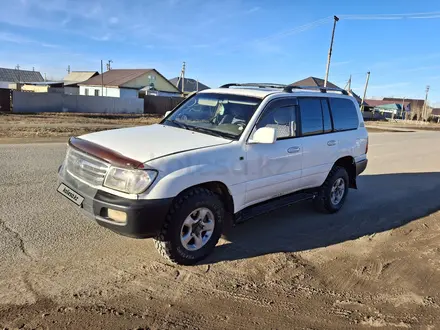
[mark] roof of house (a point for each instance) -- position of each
(116, 77)
(376, 103)
(415, 103)
(15, 76)
(435, 112)
(190, 84)
(313, 81)
(76, 77)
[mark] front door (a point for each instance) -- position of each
(275, 169)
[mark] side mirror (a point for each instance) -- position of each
(266, 135)
(167, 113)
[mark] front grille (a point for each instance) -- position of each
(84, 167)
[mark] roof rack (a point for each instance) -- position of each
(259, 85)
(290, 88)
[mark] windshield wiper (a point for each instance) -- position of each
(212, 132)
(179, 124)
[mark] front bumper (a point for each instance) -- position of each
(361, 166)
(145, 218)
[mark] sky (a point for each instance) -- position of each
(279, 41)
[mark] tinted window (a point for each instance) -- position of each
(311, 116)
(326, 116)
(216, 114)
(282, 118)
(345, 115)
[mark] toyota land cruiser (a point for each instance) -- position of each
(220, 157)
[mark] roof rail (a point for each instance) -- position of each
(290, 88)
(259, 85)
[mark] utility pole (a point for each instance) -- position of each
(45, 78)
(18, 72)
(425, 110)
(102, 79)
(183, 77)
(403, 108)
(330, 51)
(68, 69)
(365, 91)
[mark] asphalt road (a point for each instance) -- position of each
(49, 252)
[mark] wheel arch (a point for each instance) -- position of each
(349, 164)
(222, 190)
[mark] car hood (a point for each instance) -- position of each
(144, 143)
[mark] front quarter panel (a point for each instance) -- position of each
(178, 172)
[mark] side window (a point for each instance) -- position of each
(345, 115)
(96, 92)
(311, 116)
(326, 116)
(282, 118)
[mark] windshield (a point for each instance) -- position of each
(216, 114)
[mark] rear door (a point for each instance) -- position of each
(275, 169)
(319, 141)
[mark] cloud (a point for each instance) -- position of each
(253, 10)
(113, 20)
(341, 63)
(105, 37)
(389, 86)
(19, 39)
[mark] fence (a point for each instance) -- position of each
(5, 100)
(160, 104)
(54, 102)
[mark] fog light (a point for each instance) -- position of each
(117, 216)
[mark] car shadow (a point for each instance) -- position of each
(382, 202)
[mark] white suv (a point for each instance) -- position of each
(220, 157)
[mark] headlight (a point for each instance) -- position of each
(129, 181)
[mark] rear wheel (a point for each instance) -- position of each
(332, 194)
(192, 228)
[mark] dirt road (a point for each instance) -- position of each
(374, 264)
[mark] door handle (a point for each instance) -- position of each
(331, 143)
(293, 150)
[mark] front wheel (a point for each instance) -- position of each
(332, 194)
(192, 228)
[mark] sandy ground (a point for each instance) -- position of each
(376, 264)
(59, 126)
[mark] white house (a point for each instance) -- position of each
(74, 78)
(125, 83)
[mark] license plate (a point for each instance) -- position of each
(70, 194)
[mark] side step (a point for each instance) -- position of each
(272, 205)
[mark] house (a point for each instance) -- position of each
(436, 114)
(126, 83)
(316, 82)
(9, 78)
(74, 78)
(190, 85)
(44, 87)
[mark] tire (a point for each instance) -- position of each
(190, 204)
(323, 201)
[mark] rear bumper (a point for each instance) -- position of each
(361, 166)
(144, 219)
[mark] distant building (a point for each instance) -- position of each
(315, 82)
(126, 83)
(9, 78)
(74, 78)
(190, 85)
(436, 114)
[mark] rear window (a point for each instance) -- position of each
(345, 115)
